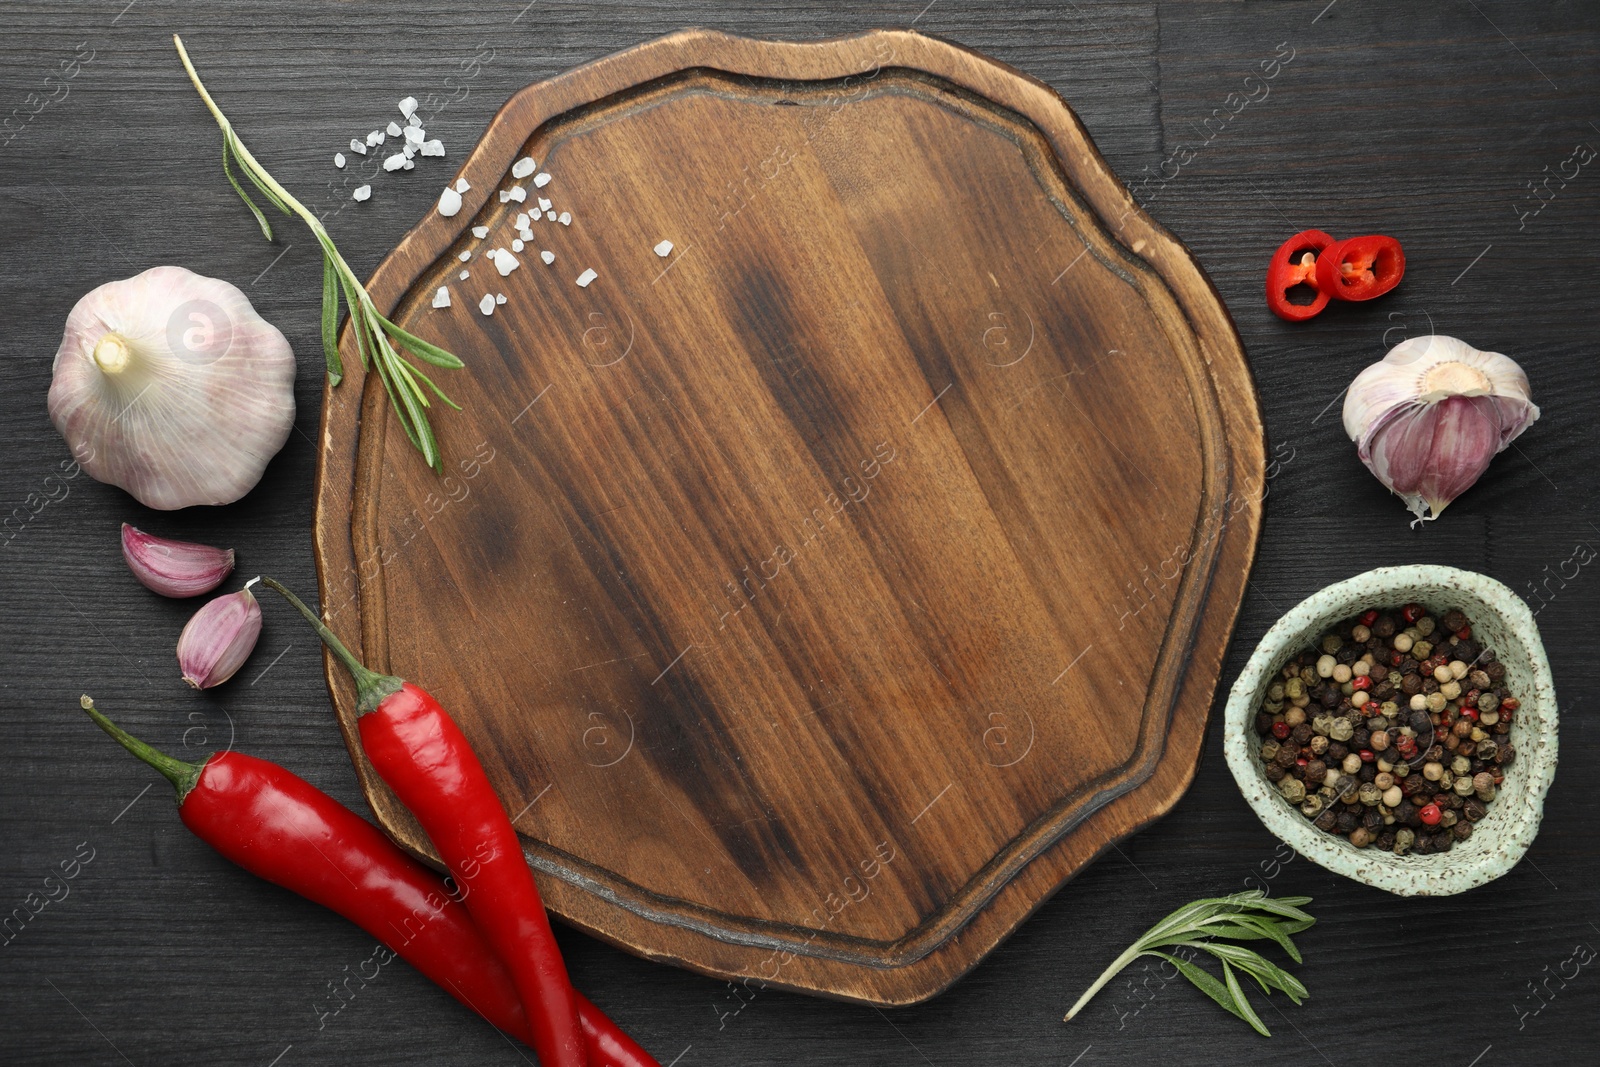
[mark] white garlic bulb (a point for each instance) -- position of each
(1430, 416)
(169, 385)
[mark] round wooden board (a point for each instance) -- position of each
(824, 594)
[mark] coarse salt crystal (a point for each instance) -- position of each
(362, 192)
(449, 202)
(414, 135)
(338, 160)
(548, 257)
(504, 261)
(504, 196)
(408, 150)
(518, 193)
(358, 145)
(566, 218)
(586, 277)
(541, 179)
(434, 147)
(480, 232)
(464, 256)
(464, 275)
(551, 215)
(499, 298)
(408, 106)
(522, 220)
(523, 167)
(664, 249)
(517, 245)
(441, 299)
(525, 234)
(414, 120)
(395, 162)
(375, 137)
(410, 163)
(394, 129)
(461, 185)
(486, 305)
(544, 205)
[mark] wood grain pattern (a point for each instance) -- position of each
(788, 555)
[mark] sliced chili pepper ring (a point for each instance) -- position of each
(1360, 268)
(1295, 263)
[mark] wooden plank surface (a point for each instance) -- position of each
(1423, 123)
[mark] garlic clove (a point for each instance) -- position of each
(219, 638)
(1428, 419)
(169, 385)
(174, 568)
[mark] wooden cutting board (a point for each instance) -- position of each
(823, 594)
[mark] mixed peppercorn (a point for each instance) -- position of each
(1394, 732)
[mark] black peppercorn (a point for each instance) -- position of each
(1348, 654)
(1474, 809)
(1362, 739)
(1263, 722)
(1372, 820)
(1411, 684)
(1286, 756)
(1495, 670)
(1348, 821)
(1328, 820)
(1368, 772)
(1275, 772)
(1454, 620)
(1384, 626)
(1329, 697)
(1407, 813)
(1316, 770)
(1466, 650)
(1337, 751)
(1443, 841)
(1423, 845)
(1302, 733)
(1461, 830)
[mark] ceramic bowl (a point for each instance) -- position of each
(1502, 622)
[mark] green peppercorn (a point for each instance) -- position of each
(1269, 750)
(1463, 786)
(1403, 839)
(1341, 730)
(1312, 806)
(1293, 790)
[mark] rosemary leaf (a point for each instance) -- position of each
(1243, 1002)
(423, 350)
(227, 168)
(330, 320)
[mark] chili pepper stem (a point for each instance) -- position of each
(371, 687)
(1111, 972)
(181, 774)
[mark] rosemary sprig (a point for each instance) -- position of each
(1249, 916)
(376, 336)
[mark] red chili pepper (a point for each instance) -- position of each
(417, 748)
(280, 827)
(1295, 263)
(1360, 268)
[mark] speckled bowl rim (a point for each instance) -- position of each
(1501, 839)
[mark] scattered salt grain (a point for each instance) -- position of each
(408, 150)
(464, 256)
(461, 185)
(544, 205)
(441, 299)
(480, 232)
(525, 234)
(410, 163)
(499, 298)
(449, 202)
(358, 146)
(362, 192)
(522, 220)
(548, 257)
(408, 106)
(517, 245)
(486, 305)
(464, 275)
(394, 129)
(551, 215)
(523, 167)
(338, 160)
(503, 261)
(566, 218)
(586, 277)
(395, 162)
(542, 179)
(414, 135)
(375, 137)
(434, 147)
(518, 193)
(414, 120)
(664, 249)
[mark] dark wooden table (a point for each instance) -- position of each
(1433, 124)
